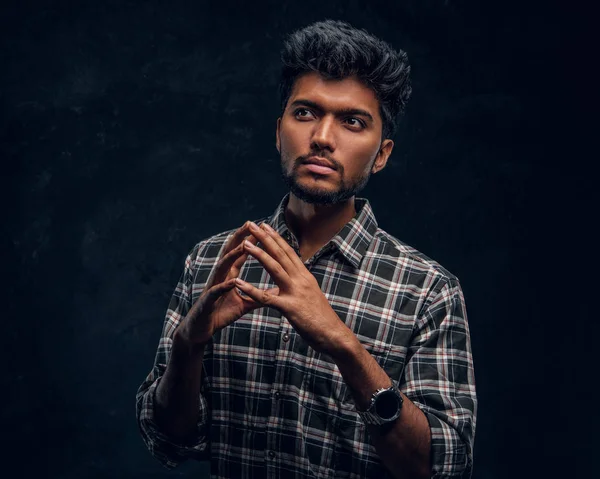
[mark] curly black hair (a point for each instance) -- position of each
(335, 49)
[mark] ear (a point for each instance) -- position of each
(385, 150)
(277, 140)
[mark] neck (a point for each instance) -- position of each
(315, 225)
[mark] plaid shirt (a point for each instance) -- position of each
(271, 406)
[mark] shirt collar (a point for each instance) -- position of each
(351, 241)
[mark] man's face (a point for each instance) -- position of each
(336, 121)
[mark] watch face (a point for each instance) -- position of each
(387, 405)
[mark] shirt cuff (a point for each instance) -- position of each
(450, 457)
(168, 452)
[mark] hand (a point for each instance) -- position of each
(219, 305)
(298, 297)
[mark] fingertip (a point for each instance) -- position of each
(227, 285)
(242, 294)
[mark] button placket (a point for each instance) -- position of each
(288, 237)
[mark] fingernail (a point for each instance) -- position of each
(248, 244)
(269, 228)
(253, 225)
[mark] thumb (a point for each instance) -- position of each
(216, 291)
(263, 297)
(251, 304)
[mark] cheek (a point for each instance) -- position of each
(363, 156)
(290, 144)
(362, 150)
(284, 147)
(368, 146)
(287, 150)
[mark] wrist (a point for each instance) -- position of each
(360, 370)
(182, 344)
(344, 345)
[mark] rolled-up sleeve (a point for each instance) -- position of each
(168, 452)
(439, 379)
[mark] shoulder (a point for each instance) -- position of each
(413, 265)
(418, 277)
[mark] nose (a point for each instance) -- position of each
(323, 136)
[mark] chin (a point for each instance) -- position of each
(320, 196)
(318, 193)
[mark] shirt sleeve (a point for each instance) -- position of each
(168, 452)
(439, 379)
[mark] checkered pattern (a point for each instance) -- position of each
(272, 407)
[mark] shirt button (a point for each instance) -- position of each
(277, 395)
(271, 454)
(286, 337)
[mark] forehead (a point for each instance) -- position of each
(334, 94)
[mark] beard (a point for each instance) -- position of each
(318, 196)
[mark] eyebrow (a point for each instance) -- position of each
(343, 111)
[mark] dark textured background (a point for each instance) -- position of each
(131, 130)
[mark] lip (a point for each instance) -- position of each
(319, 169)
(316, 160)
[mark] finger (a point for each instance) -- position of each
(236, 267)
(273, 267)
(283, 244)
(249, 303)
(219, 274)
(273, 248)
(260, 296)
(236, 239)
(226, 263)
(216, 291)
(274, 291)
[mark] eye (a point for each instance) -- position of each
(303, 113)
(355, 123)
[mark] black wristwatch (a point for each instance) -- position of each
(385, 407)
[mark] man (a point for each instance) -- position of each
(315, 344)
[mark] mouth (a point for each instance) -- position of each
(319, 165)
